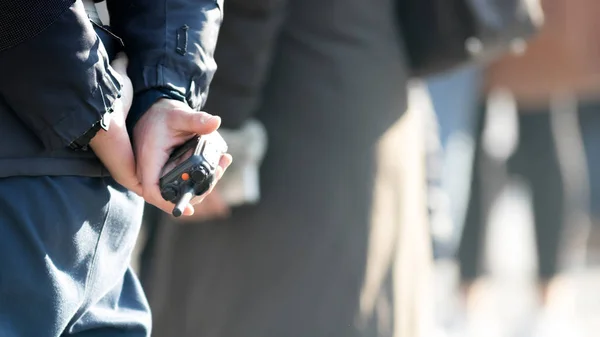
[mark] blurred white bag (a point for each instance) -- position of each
(247, 145)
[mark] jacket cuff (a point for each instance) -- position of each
(185, 79)
(67, 68)
(75, 125)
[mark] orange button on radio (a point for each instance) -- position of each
(185, 176)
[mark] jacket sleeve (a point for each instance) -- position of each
(54, 70)
(246, 46)
(170, 45)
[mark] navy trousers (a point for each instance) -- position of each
(65, 248)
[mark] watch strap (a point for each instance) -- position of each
(82, 142)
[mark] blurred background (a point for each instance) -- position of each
(514, 195)
(513, 151)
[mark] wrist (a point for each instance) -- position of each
(82, 142)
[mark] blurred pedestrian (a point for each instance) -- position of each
(562, 61)
(338, 244)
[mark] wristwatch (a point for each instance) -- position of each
(82, 142)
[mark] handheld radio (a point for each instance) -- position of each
(195, 163)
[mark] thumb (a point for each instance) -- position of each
(198, 122)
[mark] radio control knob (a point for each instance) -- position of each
(199, 173)
(169, 193)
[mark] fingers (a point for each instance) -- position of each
(119, 64)
(188, 122)
(216, 205)
(212, 207)
(189, 210)
(149, 175)
(115, 152)
(224, 162)
(113, 147)
(166, 125)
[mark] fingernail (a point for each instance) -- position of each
(208, 118)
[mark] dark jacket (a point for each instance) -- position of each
(246, 47)
(55, 78)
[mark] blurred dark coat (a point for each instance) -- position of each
(331, 249)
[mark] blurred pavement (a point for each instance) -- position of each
(507, 301)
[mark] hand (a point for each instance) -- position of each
(165, 126)
(113, 147)
(212, 207)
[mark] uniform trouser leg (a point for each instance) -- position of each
(65, 245)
